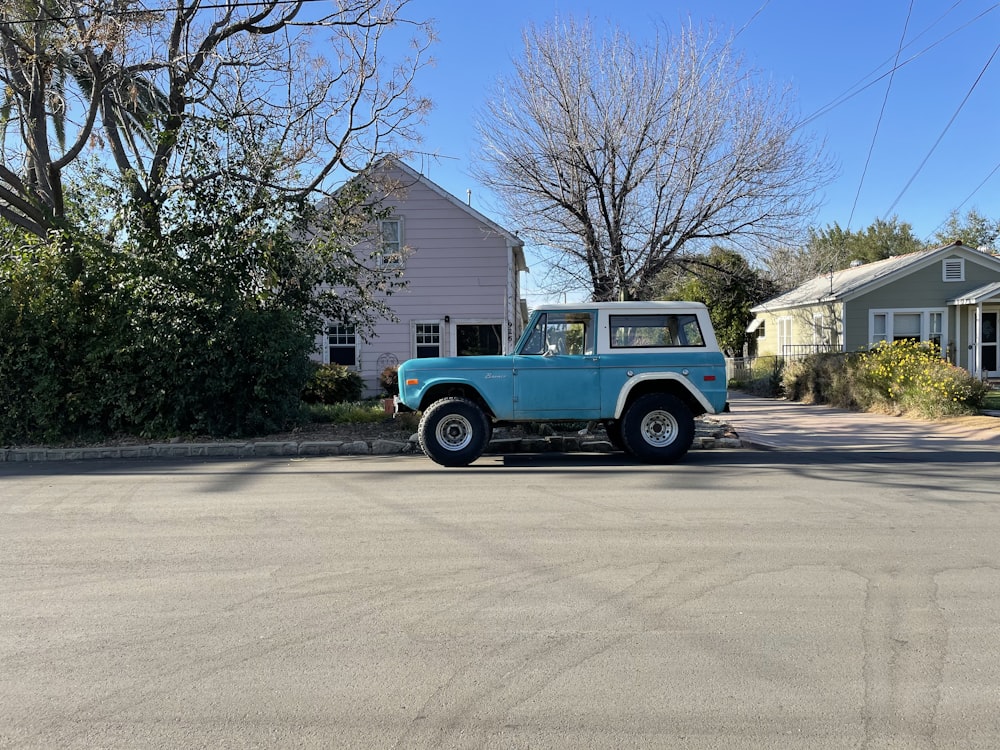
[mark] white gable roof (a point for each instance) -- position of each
(851, 282)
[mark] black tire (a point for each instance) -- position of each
(453, 432)
(658, 428)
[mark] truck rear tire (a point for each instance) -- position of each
(453, 432)
(658, 428)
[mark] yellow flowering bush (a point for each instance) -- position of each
(910, 376)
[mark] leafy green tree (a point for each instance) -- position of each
(973, 230)
(203, 328)
(835, 248)
(727, 284)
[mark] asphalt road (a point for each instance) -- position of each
(741, 599)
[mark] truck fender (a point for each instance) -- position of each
(650, 376)
(450, 384)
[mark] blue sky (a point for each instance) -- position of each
(824, 50)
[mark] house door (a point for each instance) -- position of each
(989, 344)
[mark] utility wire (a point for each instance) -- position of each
(967, 199)
(858, 88)
(878, 123)
(943, 132)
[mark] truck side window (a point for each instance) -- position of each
(660, 330)
(561, 333)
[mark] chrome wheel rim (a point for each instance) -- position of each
(454, 432)
(659, 428)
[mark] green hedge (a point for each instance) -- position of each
(95, 341)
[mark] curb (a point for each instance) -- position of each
(379, 447)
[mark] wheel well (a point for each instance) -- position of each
(454, 390)
(666, 386)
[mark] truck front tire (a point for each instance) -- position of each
(453, 432)
(658, 428)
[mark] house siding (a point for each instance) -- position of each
(802, 321)
(458, 269)
(923, 289)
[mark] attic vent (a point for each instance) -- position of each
(954, 269)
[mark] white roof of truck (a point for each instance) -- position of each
(658, 306)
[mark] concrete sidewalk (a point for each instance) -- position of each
(761, 423)
(776, 424)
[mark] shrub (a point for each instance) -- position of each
(762, 378)
(896, 377)
(96, 340)
(389, 380)
(910, 376)
(333, 384)
(820, 379)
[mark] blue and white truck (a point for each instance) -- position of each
(643, 369)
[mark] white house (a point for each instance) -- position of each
(463, 282)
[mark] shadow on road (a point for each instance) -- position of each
(500, 464)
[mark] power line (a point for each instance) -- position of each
(854, 90)
(946, 128)
(967, 198)
(881, 114)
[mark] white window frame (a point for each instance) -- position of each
(784, 334)
(953, 269)
(389, 256)
(416, 333)
(348, 336)
(926, 318)
(819, 330)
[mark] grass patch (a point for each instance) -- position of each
(991, 400)
(347, 412)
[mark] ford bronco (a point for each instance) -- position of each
(643, 369)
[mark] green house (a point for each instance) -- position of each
(949, 295)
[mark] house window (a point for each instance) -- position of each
(819, 330)
(906, 326)
(879, 327)
(479, 338)
(762, 330)
(953, 269)
(427, 339)
(935, 328)
(899, 325)
(390, 250)
(784, 335)
(343, 345)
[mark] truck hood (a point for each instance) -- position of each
(457, 364)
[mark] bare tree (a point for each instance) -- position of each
(289, 93)
(613, 155)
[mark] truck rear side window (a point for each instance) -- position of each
(647, 331)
